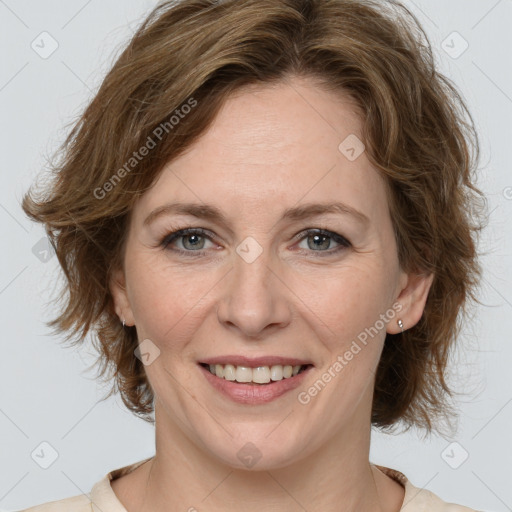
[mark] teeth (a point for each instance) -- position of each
(276, 372)
(259, 375)
(229, 372)
(243, 374)
(219, 370)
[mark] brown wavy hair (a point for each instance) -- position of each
(417, 130)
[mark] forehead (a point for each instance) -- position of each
(271, 147)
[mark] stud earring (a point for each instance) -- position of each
(401, 325)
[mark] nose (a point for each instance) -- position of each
(254, 300)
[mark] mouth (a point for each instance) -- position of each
(255, 375)
(255, 380)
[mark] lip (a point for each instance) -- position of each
(254, 362)
(254, 394)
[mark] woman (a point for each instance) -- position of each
(253, 216)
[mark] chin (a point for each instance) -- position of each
(258, 451)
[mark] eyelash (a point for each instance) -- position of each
(175, 235)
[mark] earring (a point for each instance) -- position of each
(123, 322)
(401, 325)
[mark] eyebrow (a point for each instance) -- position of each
(212, 213)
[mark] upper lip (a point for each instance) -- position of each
(254, 362)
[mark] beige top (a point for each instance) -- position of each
(103, 499)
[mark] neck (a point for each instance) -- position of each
(338, 477)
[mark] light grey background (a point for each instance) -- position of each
(46, 392)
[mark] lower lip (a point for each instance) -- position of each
(254, 394)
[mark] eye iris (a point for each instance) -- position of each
(195, 245)
(318, 237)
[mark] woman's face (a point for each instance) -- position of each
(260, 286)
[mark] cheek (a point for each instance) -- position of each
(343, 301)
(349, 306)
(170, 300)
(165, 298)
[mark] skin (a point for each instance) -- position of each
(270, 148)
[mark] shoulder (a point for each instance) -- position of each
(101, 495)
(421, 500)
(74, 504)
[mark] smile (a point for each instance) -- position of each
(256, 375)
(253, 385)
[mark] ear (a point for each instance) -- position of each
(412, 298)
(119, 293)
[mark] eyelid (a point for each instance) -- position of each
(177, 233)
(320, 231)
(343, 242)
